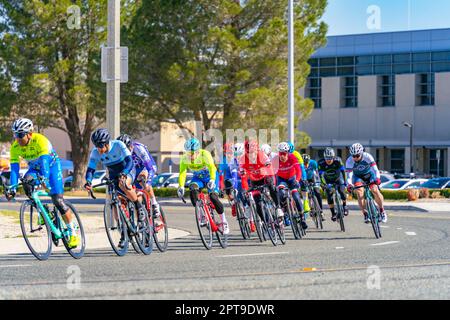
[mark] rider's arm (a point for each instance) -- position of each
(210, 164)
(373, 166)
(147, 160)
(93, 159)
(349, 169)
(343, 171)
(183, 171)
(15, 166)
(303, 171)
(222, 176)
(298, 173)
(44, 164)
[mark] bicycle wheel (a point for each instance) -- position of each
(161, 231)
(314, 213)
(144, 231)
(37, 236)
(319, 216)
(295, 220)
(203, 225)
(373, 215)
(280, 227)
(221, 238)
(340, 212)
(258, 222)
(243, 221)
(269, 223)
(78, 251)
(116, 229)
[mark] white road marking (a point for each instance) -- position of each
(16, 266)
(410, 233)
(338, 248)
(386, 227)
(384, 243)
(252, 254)
(399, 228)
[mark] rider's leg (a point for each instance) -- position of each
(330, 202)
(318, 197)
(379, 199)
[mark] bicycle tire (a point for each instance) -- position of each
(162, 245)
(221, 237)
(45, 253)
(71, 251)
(243, 221)
(199, 213)
(131, 238)
(340, 212)
(314, 212)
(292, 217)
(269, 223)
(374, 218)
(121, 227)
(258, 222)
(144, 232)
(319, 212)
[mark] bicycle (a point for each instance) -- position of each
(207, 222)
(243, 220)
(255, 216)
(372, 209)
(338, 206)
(290, 208)
(124, 224)
(316, 211)
(42, 227)
(160, 228)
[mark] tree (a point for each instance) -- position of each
(50, 58)
(220, 60)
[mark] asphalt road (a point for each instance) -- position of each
(411, 261)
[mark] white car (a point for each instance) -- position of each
(97, 179)
(403, 184)
(172, 182)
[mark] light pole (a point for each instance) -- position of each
(291, 71)
(410, 126)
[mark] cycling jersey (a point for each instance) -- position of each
(311, 170)
(331, 173)
(229, 171)
(203, 167)
(118, 160)
(143, 160)
(255, 170)
(289, 169)
(366, 169)
(300, 161)
(42, 160)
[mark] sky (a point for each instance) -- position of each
(352, 17)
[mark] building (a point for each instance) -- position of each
(365, 87)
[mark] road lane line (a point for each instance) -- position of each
(384, 243)
(385, 227)
(252, 254)
(399, 228)
(16, 266)
(339, 248)
(410, 233)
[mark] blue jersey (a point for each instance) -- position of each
(311, 170)
(143, 159)
(230, 171)
(117, 160)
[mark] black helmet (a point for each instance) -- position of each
(306, 158)
(100, 137)
(125, 139)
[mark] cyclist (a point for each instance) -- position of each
(256, 166)
(201, 163)
(312, 176)
(145, 168)
(268, 151)
(362, 168)
(114, 155)
(43, 161)
(289, 176)
(302, 167)
(228, 175)
(332, 173)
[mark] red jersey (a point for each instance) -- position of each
(260, 169)
(290, 168)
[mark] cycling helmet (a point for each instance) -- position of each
(329, 154)
(251, 146)
(356, 149)
(266, 148)
(125, 139)
(284, 147)
(291, 147)
(192, 144)
(100, 137)
(22, 125)
(238, 149)
(306, 158)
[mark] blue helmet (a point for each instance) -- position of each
(100, 137)
(291, 147)
(192, 145)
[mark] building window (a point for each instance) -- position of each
(315, 91)
(398, 161)
(350, 92)
(425, 89)
(437, 162)
(387, 91)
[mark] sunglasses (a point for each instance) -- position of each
(20, 135)
(284, 154)
(100, 145)
(356, 156)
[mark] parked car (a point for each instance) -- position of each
(159, 180)
(403, 184)
(172, 181)
(7, 174)
(97, 179)
(437, 183)
(386, 176)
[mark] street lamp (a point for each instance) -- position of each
(410, 126)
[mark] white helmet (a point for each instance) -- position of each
(284, 147)
(356, 149)
(238, 149)
(22, 125)
(266, 149)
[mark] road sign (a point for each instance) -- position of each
(107, 72)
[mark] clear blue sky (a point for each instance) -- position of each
(350, 16)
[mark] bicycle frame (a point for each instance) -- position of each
(207, 204)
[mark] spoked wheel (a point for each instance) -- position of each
(295, 218)
(35, 231)
(318, 213)
(78, 251)
(340, 214)
(203, 225)
(144, 231)
(258, 223)
(373, 214)
(221, 237)
(280, 227)
(269, 224)
(243, 220)
(315, 217)
(116, 229)
(130, 215)
(161, 231)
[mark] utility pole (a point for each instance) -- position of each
(291, 106)
(410, 126)
(113, 84)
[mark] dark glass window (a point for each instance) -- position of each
(387, 91)
(383, 59)
(327, 72)
(313, 62)
(426, 89)
(345, 71)
(346, 61)
(314, 91)
(363, 60)
(441, 66)
(398, 161)
(437, 162)
(351, 92)
(327, 62)
(314, 72)
(402, 58)
(421, 67)
(421, 57)
(383, 69)
(402, 68)
(364, 70)
(441, 56)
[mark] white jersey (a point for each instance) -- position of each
(363, 169)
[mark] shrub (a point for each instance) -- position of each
(413, 194)
(424, 193)
(395, 194)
